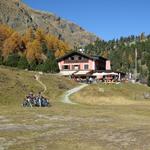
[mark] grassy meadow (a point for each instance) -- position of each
(95, 123)
(15, 84)
(113, 94)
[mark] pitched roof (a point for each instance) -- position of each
(96, 57)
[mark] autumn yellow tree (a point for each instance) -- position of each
(34, 51)
(28, 36)
(5, 33)
(34, 44)
(52, 42)
(11, 45)
(63, 48)
(40, 35)
(58, 47)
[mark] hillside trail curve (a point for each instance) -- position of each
(65, 98)
(37, 78)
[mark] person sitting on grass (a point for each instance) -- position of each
(30, 98)
(39, 99)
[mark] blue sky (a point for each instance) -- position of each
(107, 19)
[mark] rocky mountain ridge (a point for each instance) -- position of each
(20, 17)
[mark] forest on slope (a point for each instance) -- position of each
(122, 53)
(34, 50)
(38, 50)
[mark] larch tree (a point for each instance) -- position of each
(28, 36)
(5, 32)
(40, 35)
(58, 47)
(63, 48)
(34, 51)
(11, 45)
(52, 42)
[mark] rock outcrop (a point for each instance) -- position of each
(20, 17)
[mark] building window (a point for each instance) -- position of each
(79, 58)
(86, 67)
(66, 67)
(76, 67)
(72, 58)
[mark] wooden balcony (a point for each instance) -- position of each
(76, 61)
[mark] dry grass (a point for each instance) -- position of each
(69, 127)
(56, 86)
(15, 84)
(76, 127)
(113, 94)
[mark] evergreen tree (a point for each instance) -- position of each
(148, 81)
(23, 63)
(12, 60)
(50, 65)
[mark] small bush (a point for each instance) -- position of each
(12, 60)
(33, 65)
(23, 63)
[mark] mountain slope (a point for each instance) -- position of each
(22, 82)
(20, 17)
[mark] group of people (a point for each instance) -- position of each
(88, 80)
(38, 100)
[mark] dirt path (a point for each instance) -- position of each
(66, 99)
(41, 83)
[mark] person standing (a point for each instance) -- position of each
(90, 80)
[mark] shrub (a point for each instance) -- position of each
(12, 60)
(33, 65)
(40, 67)
(23, 63)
